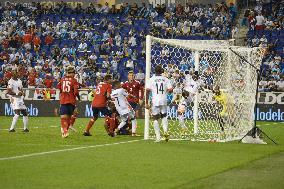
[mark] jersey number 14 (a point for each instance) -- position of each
(160, 89)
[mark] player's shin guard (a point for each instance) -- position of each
(157, 130)
(165, 124)
(134, 125)
(15, 119)
(181, 121)
(25, 121)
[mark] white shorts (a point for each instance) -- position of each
(130, 115)
(17, 104)
(159, 109)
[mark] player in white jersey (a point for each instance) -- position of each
(159, 86)
(119, 97)
(15, 90)
(191, 86)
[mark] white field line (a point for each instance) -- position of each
(66, 150)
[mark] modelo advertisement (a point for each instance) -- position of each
(265, 112)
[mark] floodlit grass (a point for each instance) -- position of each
(137, 164)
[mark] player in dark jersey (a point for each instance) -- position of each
(99, 104)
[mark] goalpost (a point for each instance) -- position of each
(217, 65)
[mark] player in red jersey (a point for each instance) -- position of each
(99, 104)
(135, 89)
(68, 87)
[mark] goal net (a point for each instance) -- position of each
(217, 65)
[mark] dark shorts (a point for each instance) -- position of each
(67, 109)
(104, 110)
(133, 105)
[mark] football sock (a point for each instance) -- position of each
(222, 123)
(15, 119)
(134, 125)
(72, 120)
(64, 124)
(165, 124)
(25, 121)
(181, 121)
(122, 123)
(157, 129)
(90, 124)
(68, 122)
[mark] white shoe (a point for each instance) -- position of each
(65, 135)
(73, 129)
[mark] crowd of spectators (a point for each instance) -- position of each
(41, 41)
(266, 29)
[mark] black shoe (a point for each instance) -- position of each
(12, 130)
(87, 133)
(26, 130)
(111, 134)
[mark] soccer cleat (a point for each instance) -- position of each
(65, 135)
(135, 135)
(26, 130)
(12, 130)
(166, 137)
(73, 129)
(87, 133)
(112, 134)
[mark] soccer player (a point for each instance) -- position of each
(135, 89)
(222, 98)
(68, 87)
(15, 90)
(191, 86)
(99, 104)
(119, 97)
(159, 86)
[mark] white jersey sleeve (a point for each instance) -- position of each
(159, 86)
(120, 101)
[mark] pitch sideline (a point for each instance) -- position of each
(66, 150)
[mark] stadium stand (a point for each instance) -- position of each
(265, 22)
(41, 41)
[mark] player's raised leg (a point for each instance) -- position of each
(73, 119)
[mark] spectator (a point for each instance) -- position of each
(140, 76)
(82, 46)
(129, 64)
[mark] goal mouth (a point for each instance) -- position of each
(206, 119)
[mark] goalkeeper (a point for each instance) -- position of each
(226, 102)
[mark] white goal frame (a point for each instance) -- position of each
(221, 45)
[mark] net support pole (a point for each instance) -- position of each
(147, 77)
(195, 107)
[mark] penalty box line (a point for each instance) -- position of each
(66, 150)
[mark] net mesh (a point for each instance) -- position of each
(217, 65)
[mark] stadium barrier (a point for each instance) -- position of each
(270, 105)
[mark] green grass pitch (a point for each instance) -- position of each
(41, 160)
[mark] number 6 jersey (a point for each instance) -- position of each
(159, 86)
(68, 87)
